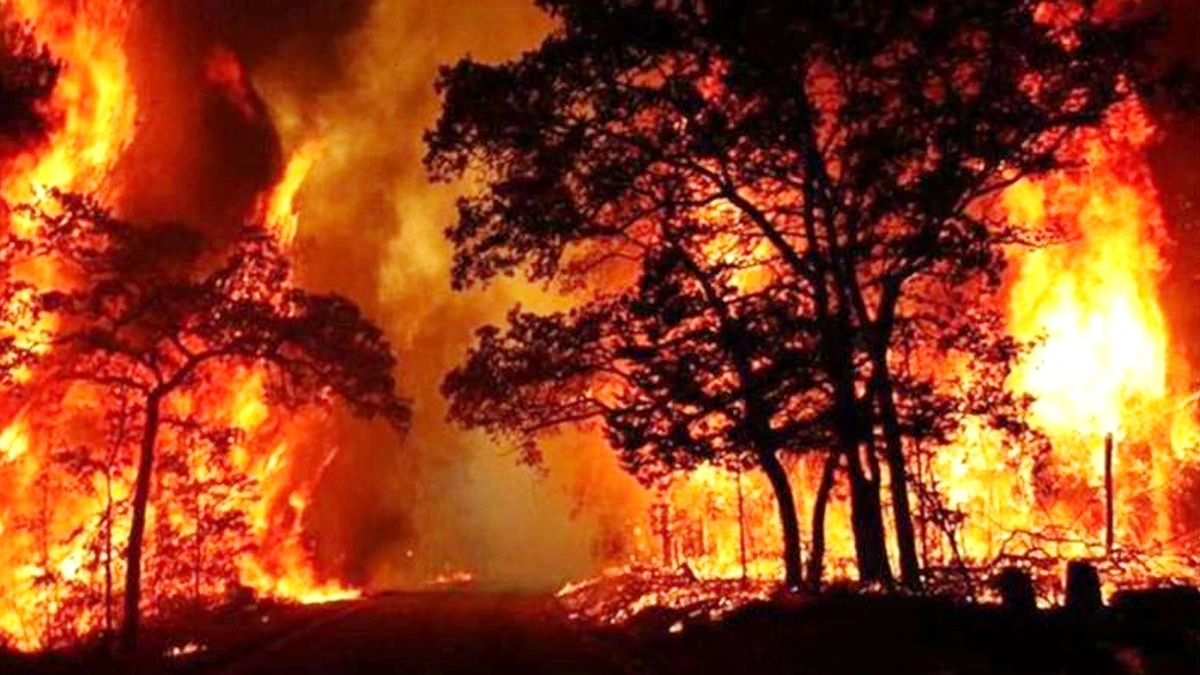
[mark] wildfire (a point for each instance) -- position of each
(1095, 299)
(94, 104)
(14, 443)
(93, 117)
(1100, 363)
(55, 560)
(281, 566)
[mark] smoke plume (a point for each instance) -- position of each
(353, 80)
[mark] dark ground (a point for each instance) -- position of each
(468, 632)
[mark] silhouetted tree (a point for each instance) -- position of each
(87, 462)
(860, 143)
(687, 368)
(28, 74)
(148, 312)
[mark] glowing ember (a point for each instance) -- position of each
(186, 649)
(451, 579)
(620, 594)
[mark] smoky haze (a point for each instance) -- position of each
(356, 78)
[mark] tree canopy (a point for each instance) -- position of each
(844, 155)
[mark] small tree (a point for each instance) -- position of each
(145, 312)
(204, 527)
(87, 462)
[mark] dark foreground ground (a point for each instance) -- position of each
(505, 633)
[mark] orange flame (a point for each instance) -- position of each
(51, 570)
(277, 208)
(1096, 298)
(94, 102)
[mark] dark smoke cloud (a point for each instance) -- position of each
(1183, 37)
(198, 158)
(1172, 160)
(261, 29)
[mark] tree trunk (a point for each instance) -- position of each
(133, 556)
(741, 502)
(108, 555)
(906, 539)
(866, 516)
(114, 449)
(853, 427)
(816, 558)
(197, 547)
(787, 518)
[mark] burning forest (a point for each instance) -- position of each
(667, 306)
(147, 359)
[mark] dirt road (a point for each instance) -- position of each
(438, 633)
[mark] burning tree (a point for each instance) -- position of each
(850, 154)
(202, 545)
(151, 317)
